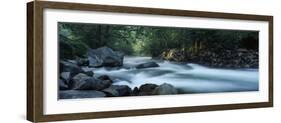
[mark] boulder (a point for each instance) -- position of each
(82, 61)
(71, 61)
(79, 61)
(84, 82)
(89, 73)
(147, 65)
(146, 89)
(78, 77)
(111, 92)
(95, 61)
(105, 56)
(118, 90)
(135, 91)
(70, 67)
(165, 89)
(62, 85)
(65, 76)
(76, 94)
(105, 77)
(174, 55)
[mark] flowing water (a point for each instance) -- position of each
(188, 77)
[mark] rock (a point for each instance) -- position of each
(165, 89)
(174, 55)
(105, 77)
(105, 56)
(62, 85)
(65, 76)
(79, 61)
(146, 89)
(135, 91)
(95, 61)
(147, 65)
(72, 61)
(118, 90)
(76, 94)
(70, 67)
(84, 82)
(78, 77)
(215, 57)
(82, 61)
(111, 92)
(89, 73)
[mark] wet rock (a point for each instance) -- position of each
(105, 56)
(146, 89)
(79, 61)
(111, 92)
(70, 67)
(174, 55)
(135, 91)
(78, 77)
(90, 83)
(147, 65)
(118, 90)
(216, 57)
(165, 89)
(89, 73)
(76, 94)
(62, 85)
(65, 76)
(82, 61)
(105, 77)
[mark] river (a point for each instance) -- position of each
(187, 77)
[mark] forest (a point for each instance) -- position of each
(106, 60)
(77, 38)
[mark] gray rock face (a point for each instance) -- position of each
(147, 65)
(89, 73)
(70, 67)
(105, 56)
(62, 85)
(84, 82)
(65, 76)
(111, 92)
(73, 94)
(165, 89)
(82, 61)
(135, 91)
(77, 77)
(118, 90)
(105, 77)
(146, 89)
(79, 61)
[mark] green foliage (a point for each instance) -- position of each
(149, 41)
(69, 48)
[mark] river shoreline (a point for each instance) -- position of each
(143, 76)
(184, 72)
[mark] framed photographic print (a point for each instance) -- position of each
(95, 61)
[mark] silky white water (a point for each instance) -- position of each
(188, 77)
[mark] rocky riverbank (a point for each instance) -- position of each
(235, 59)
(74, 82)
